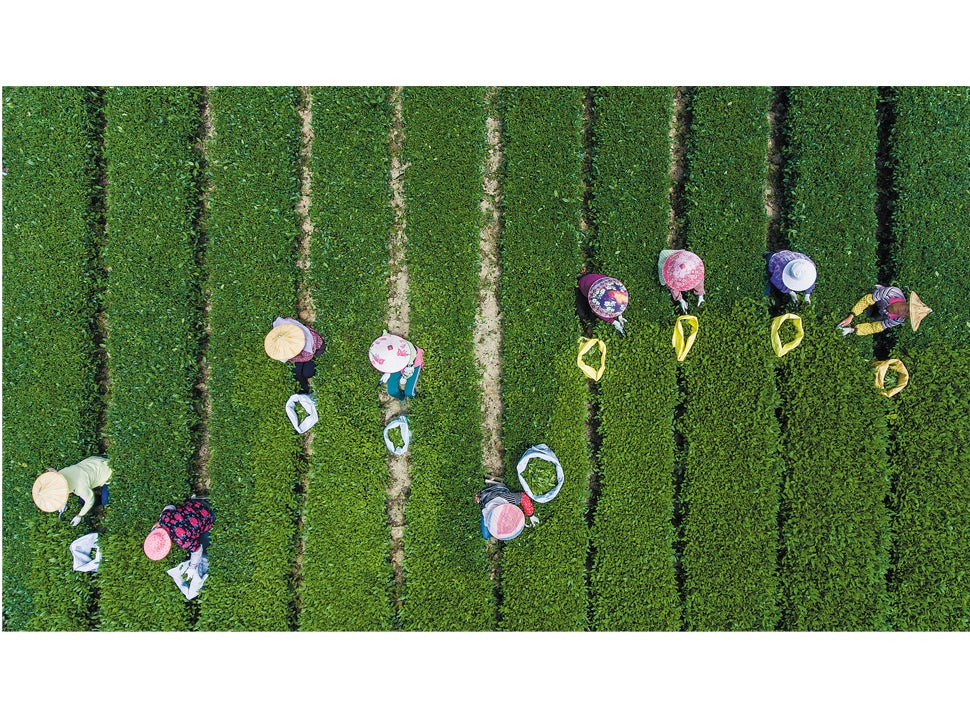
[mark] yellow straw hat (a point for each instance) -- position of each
(284, 341)
(50, 491)
(917, 311)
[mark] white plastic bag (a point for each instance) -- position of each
(401, 421)
(81, 552)
(540, 452)
(190, 580)
(309, 405)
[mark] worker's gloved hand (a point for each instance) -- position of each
(683, 304)
(794, 297)
(533, 520)
(75, 521)
(700, 300)
(808, 299)
(847, 331)
(619, 326)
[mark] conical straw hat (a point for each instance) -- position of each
(917, 311)
(284, 341)
(608, 297)
(683, 270)
(50, 491)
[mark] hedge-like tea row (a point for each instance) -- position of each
(834, 521)
(733, 465)
(447, 586)
(930, 146)
(633, 584)
(252, 228)
(152, 310)
(835, 524)
(346, 570)
(48, 349)
(831, 183)
(726, 163)
(543, 392)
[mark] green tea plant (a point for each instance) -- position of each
(831, 183)
(153, 314)
(49, 288)
(834, 521)
(726, 158)
(931, 417)
(543, 392)
(732, 470)
(632, 581)
(251, 228)
(447, 585)
(346, 568)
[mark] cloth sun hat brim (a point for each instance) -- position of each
(918, 310)
(506, 521)
(50, 491)
(799, 275)
(608, 297)
(157, 544)
(284, 341)
(390, 353)
(683, 270)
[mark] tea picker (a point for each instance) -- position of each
(605, 297)
(52, 488)
(186, 525)
(790, 273)
(502, 518)
(292, 341)
(886, 306)
(681, 271)
(400, 363)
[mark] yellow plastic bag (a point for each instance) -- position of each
(681, 344)
(585, 348)
(882, 367)
(776, 340)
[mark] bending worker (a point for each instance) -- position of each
(680, 271)
(887, 307)
(501, 516)
(292, 341)
(52, 488)
(606, 297)
(791, 273)
(400, 363)
(187, 526)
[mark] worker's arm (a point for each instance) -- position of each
(87, 497)
(860, 307)
(195, 557)
(869, 328)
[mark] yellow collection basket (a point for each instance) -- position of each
(781, 349)
(585, 347)
(681, 343)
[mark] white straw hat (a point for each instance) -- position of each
(799, 274)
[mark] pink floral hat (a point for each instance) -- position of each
(683, 270)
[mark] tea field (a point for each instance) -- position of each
(152, 234)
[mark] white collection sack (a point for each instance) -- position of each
(308, 404)
(400, 422)
(190, 580)
(541, 452)
(81, 551)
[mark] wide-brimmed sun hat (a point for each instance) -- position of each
(917, 311)
(608, 297)
(157, 544)
(284, 341)
(50, 491)
(683, 270)
(390, 353)
(505, 522)
(799, 274)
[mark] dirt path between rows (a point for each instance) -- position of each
(488, 320)
(398, 322)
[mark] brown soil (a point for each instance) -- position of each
(398, 322)
(488, 321)
(305, 306)
(678, 162)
